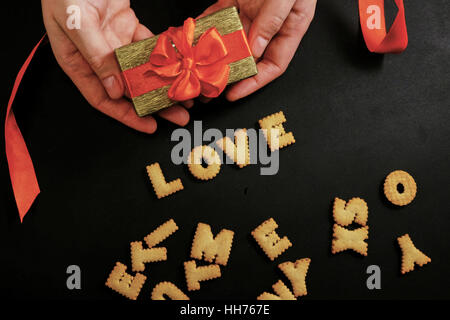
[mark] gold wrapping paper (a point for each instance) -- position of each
(226, 21)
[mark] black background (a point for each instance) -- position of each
(356, 117)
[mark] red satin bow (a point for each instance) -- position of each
(198, 69)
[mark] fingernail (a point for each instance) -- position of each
(188, 104)
(112, 87)
(259, 45)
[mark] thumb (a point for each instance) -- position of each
(142, 33)
(268, 22)
(100, 57)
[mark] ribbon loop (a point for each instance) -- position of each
(373, 25)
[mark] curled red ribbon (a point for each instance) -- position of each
(195, 70)
(373, 25)
(21, 169)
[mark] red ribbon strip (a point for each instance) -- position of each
(21, 169)
(190, 70)
(373, 25)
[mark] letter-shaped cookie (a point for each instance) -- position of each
(268, 239)
(345, 239)
(410, 254)
(124, 283)
(140, 256)
(276, 136)
(282, 293)
(196, 274)
(161, 187)
(211, 158)
(210, 247)
(391, 186)
(161, 233)
(355, 209)
(168, 289)
(296, 273)
(237, 151)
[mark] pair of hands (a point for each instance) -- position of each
(274, 28)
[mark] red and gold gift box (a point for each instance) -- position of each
(199, 58)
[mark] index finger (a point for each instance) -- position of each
(267, 23)
(279, 52)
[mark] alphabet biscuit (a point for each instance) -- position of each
(345, 239)
(196, 274)
(355, 209)
(210, 247)
(124, 283)
(140, 256)
(237, 151)
(161, 187)
(410, 254)
(281, 290)
(296, 273)
(406, 181)
(161, 233)
(275, 134)
(211, 158)
(268, 239)
(168, 289)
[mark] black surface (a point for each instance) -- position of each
(356, 117)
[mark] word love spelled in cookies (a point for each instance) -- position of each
(237, 151)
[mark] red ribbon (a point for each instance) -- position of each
(189, 70)
(373, 25)
(21, 169)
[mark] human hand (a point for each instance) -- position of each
(274, 29)
(87, 56)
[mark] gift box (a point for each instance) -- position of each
(199, 58)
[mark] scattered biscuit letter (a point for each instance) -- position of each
(281, 290)
(391, 188)
(268, 239)
(410, 254)
(161, 233)
(355, 209)
(210, 247)
(296, 273)
(124, 283)
(161, 187)
(344, 239)
(211, 158)
(140, 256)
(196, 274)
(238, 151)
(275, 134)
(168, 289)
